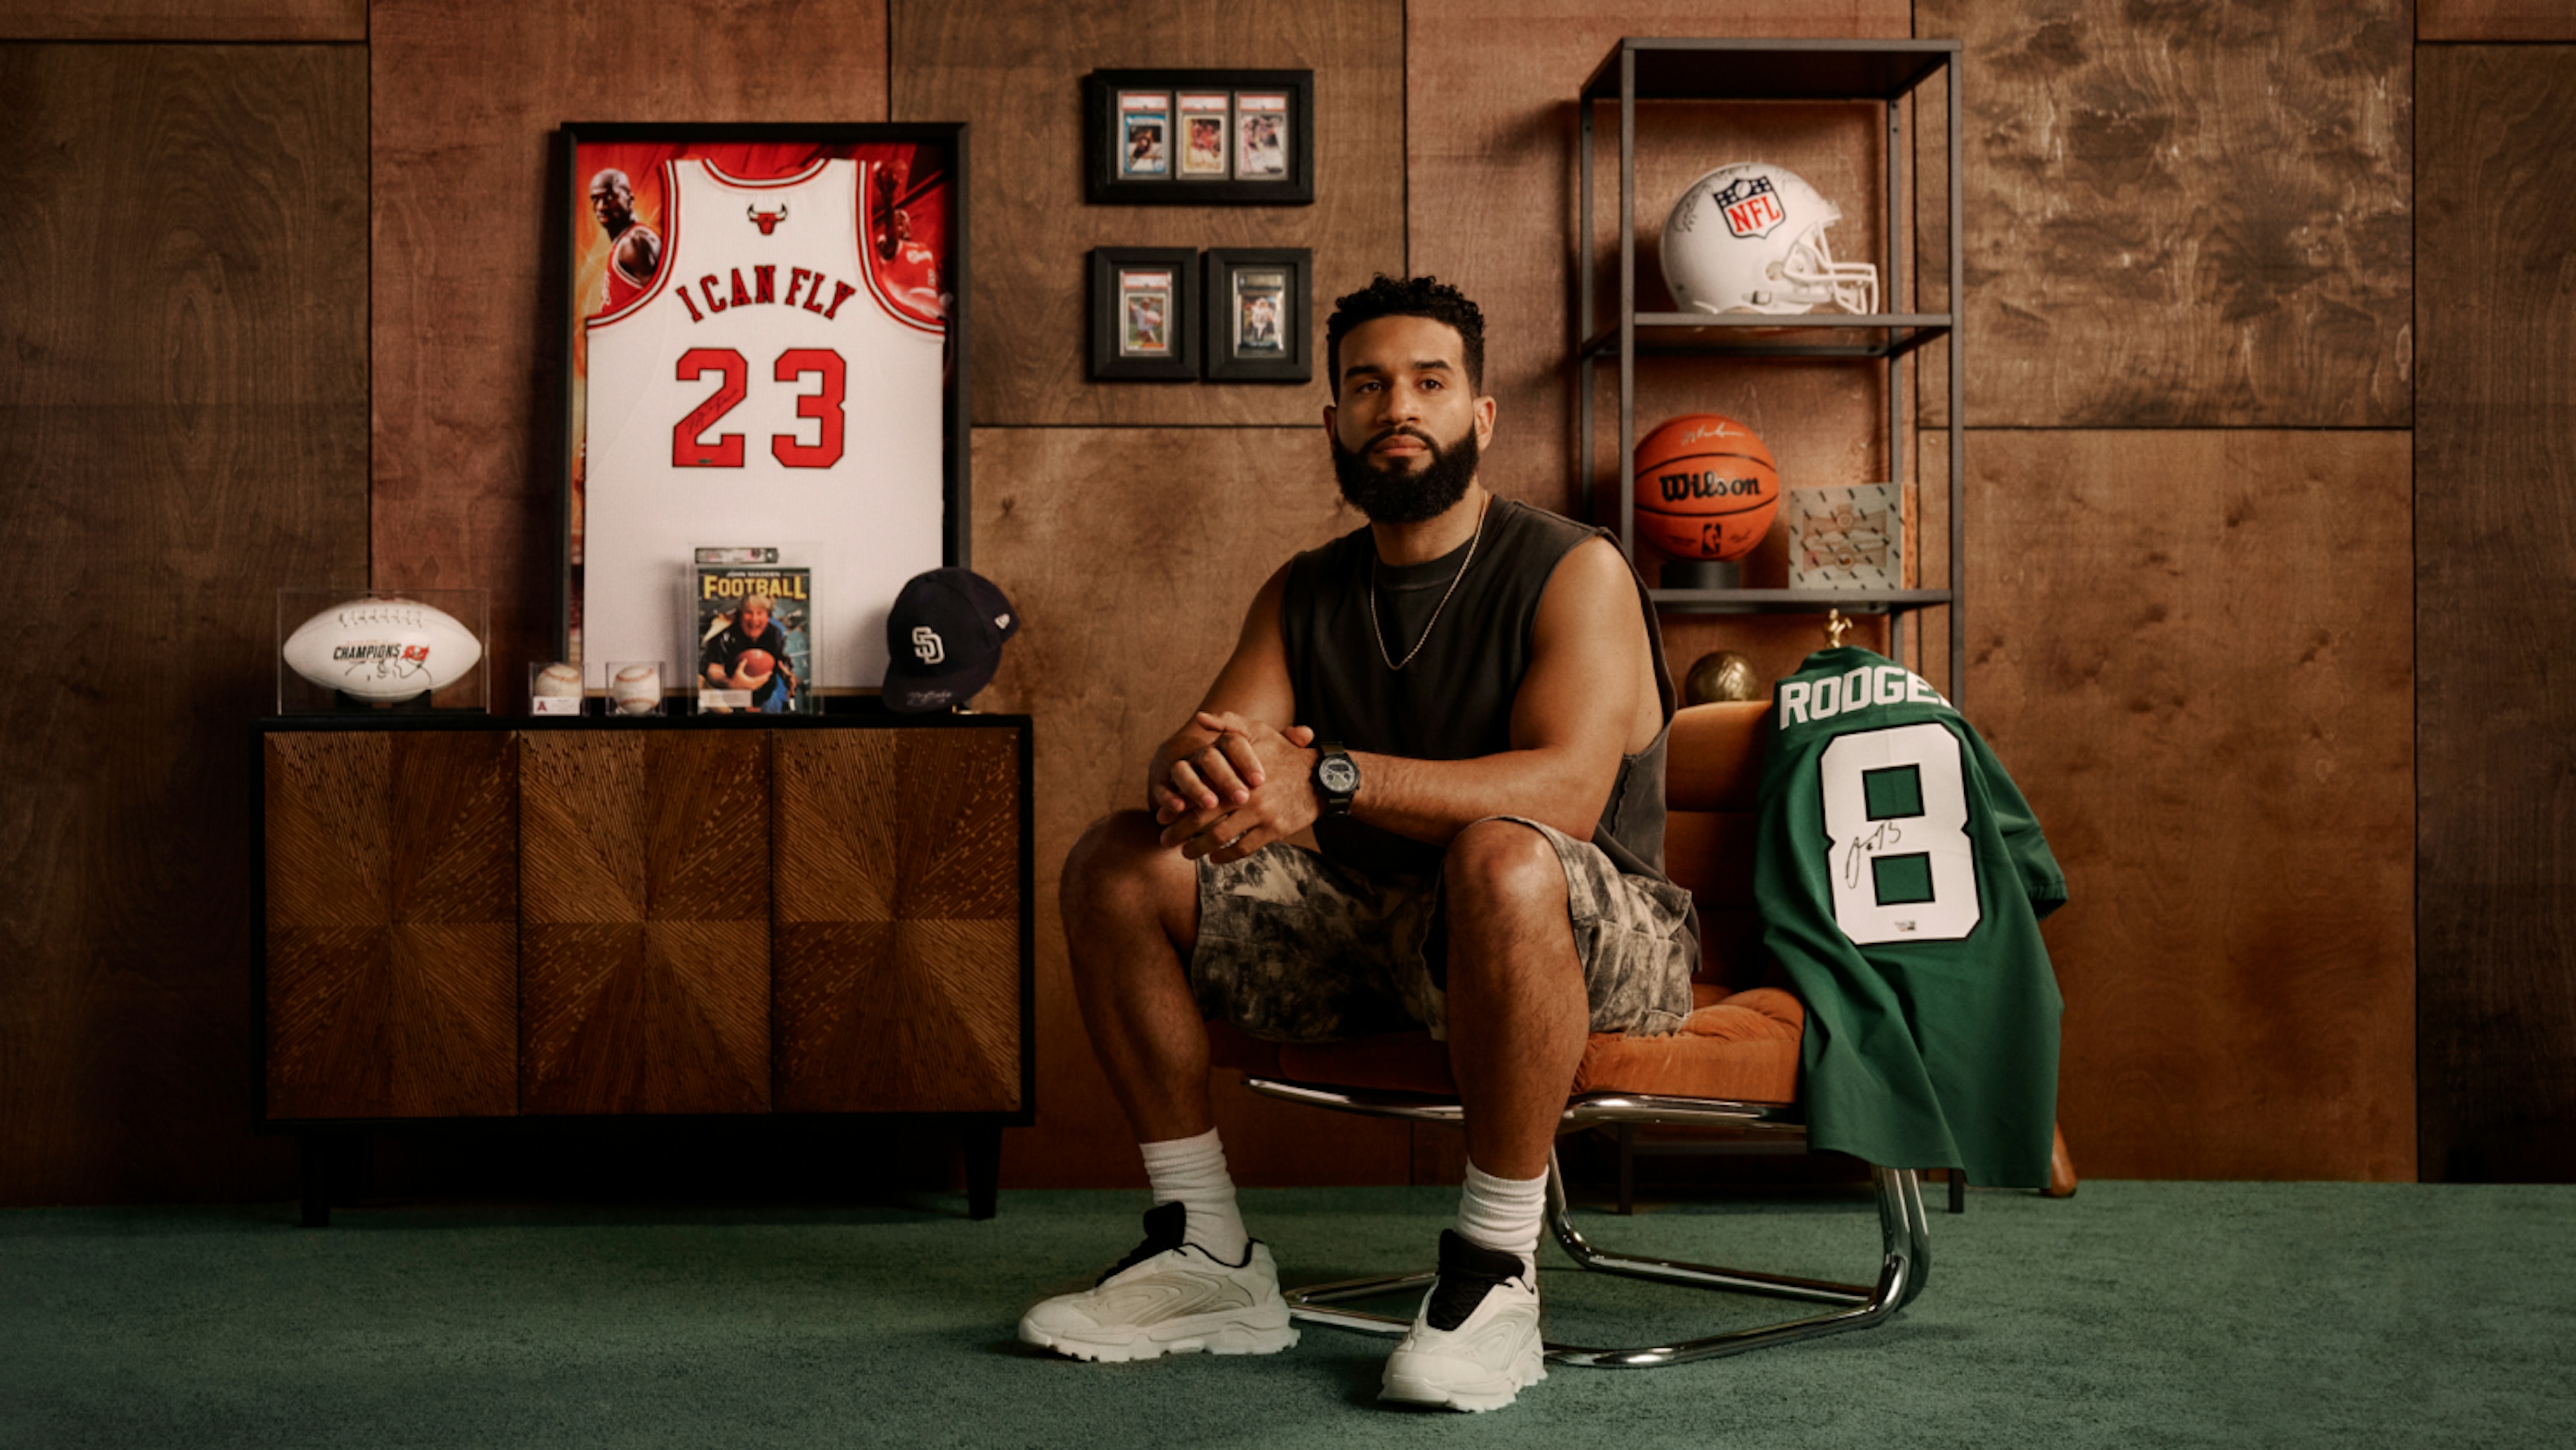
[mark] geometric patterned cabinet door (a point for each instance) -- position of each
(898, 915)
(392, 924)
(644, 907)
(596, 918)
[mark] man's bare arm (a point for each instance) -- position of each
(1254, 686)
(1577, 712)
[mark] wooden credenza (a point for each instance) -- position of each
(484, 919)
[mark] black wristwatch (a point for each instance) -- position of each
(1337, 779)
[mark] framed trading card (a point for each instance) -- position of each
(1261, 131)
(1205, 121)
(765, 337)
(1259, 297)
(1258, 327)
(1144, 314)
(1144, 133)
(1199, 137)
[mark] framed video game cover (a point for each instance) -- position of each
(765, 338)
(1199, 137)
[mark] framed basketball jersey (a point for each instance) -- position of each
(765, 345)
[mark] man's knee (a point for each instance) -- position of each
(1498, 866)
(1120, 867)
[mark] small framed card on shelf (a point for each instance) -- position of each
(1258, 325)
(1144, 315)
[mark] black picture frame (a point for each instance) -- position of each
(1109, 181)
(937, 161)
(1232, 325)
(1112, 360)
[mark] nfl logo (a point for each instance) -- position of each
(1750, 206)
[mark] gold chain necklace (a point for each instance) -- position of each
(1378, 632)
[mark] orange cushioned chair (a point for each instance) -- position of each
(1733, 1066)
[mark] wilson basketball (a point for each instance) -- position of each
(1706, 488)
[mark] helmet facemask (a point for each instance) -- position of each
(1809, 267)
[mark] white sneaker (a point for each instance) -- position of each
(1168, 1297)
(1475, 1343)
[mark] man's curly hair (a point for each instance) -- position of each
(1410, 297)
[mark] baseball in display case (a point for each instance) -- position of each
(341, 649)
(635, 686)
(766, 338)
(555, 688)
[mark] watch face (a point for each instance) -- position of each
(1338, 775)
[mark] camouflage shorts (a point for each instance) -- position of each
(1295, 948)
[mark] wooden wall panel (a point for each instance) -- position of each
(2185, 216)
(2495, 470)
(469, 306)
(1014, 68)
(1490, 158)
(644, 922)
(182, 431)
(2494, 20)
(2191, 649)
(1130, 597)
(392, 924)
(897, 937)
(174, 20)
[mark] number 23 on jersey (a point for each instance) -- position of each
(691, 448)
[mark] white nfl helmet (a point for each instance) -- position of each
(1750, 237)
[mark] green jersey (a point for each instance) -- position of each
(1901, 879)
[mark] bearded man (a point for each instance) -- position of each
(1425, 791)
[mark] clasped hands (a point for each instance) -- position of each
(1234, 786)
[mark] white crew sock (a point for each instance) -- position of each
(1191, 1172)
(1503, 1214)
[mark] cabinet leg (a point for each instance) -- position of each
(983, 1170)
(314, 1155)
(1958, 1191)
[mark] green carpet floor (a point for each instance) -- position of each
(2136, 1314)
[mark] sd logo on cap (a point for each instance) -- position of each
(944, 639)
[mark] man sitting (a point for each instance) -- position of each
(1425, 791)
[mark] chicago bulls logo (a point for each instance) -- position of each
(1750, 205)
(767, 221)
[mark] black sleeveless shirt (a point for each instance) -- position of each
(1453, 701)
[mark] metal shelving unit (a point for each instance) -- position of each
(1880, 72)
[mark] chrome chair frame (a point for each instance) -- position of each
(1905, 1263)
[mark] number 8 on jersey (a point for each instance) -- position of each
(1896, 816)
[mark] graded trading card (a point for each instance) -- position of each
(1144, 133)
(1261, 322)
(1203, 117)
(1261, 135)
(753, 627)
(1145, 314)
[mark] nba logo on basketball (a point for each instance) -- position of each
(1751, 207)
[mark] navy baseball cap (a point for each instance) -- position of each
(944, 639)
